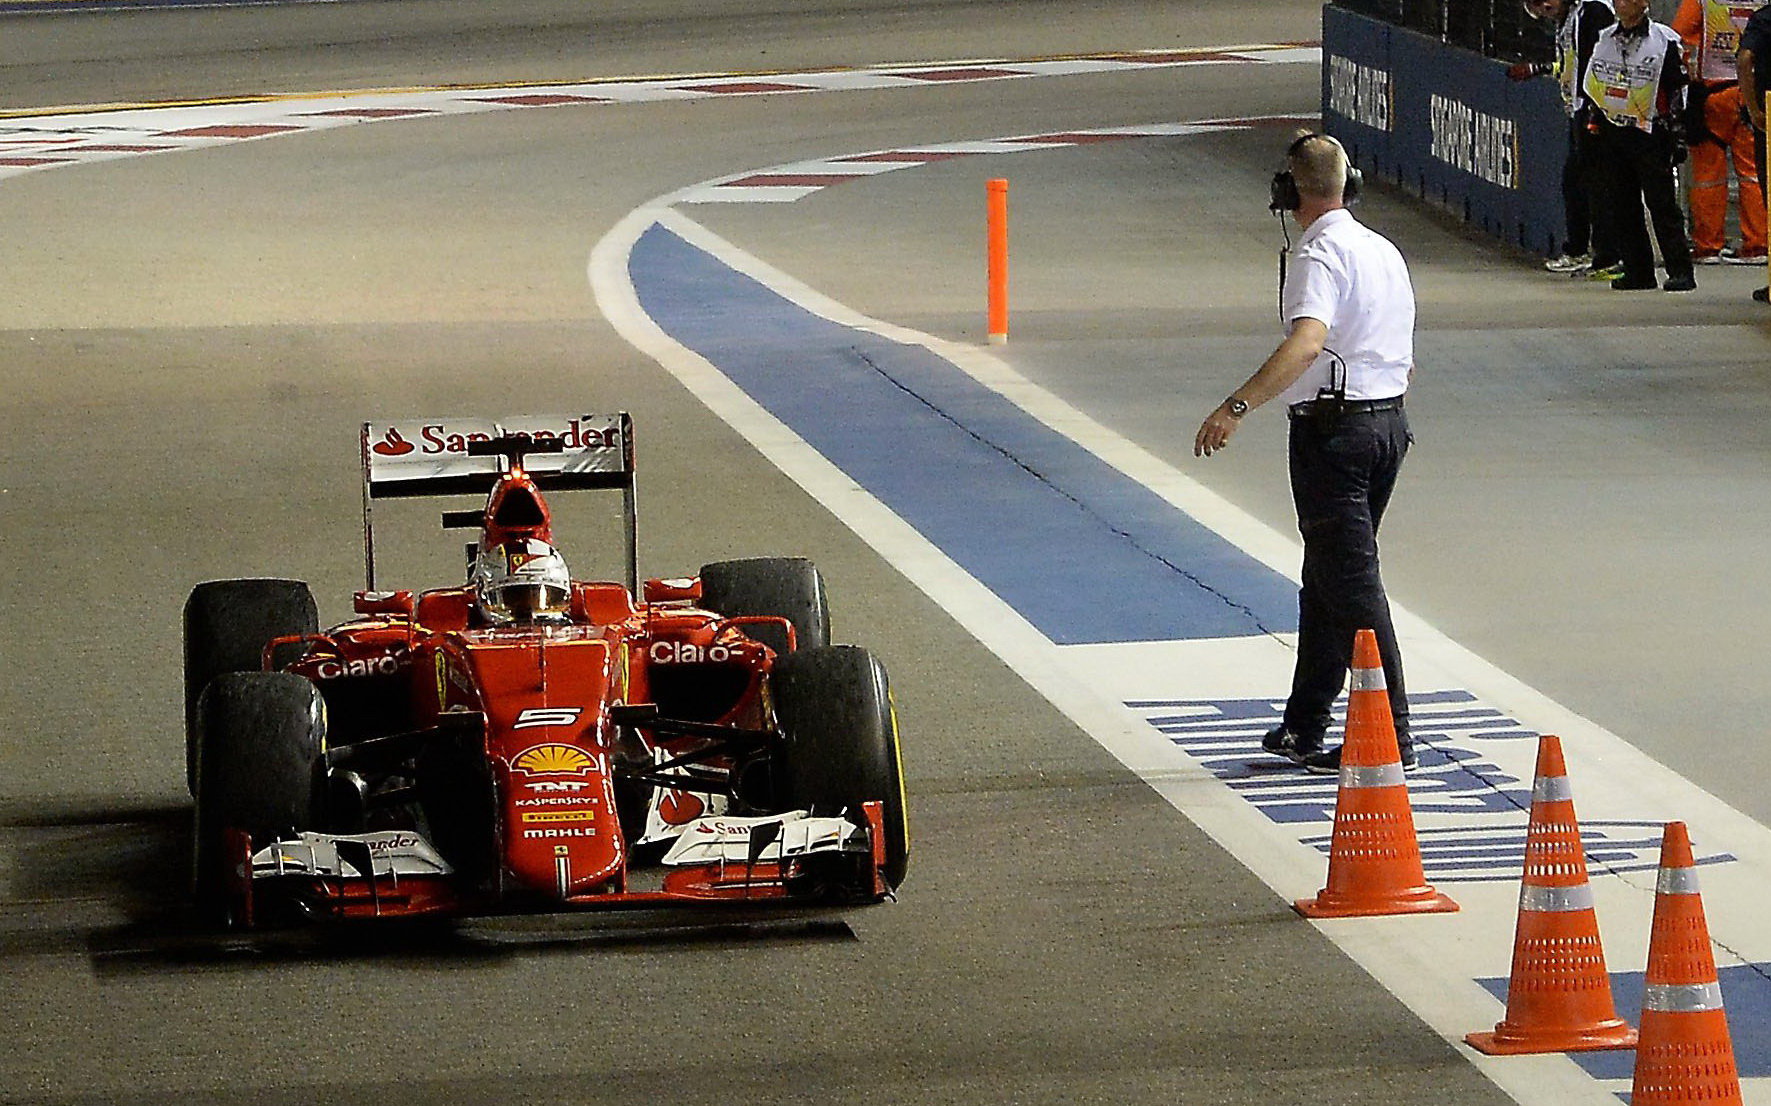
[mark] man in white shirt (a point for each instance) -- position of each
(1342, 369)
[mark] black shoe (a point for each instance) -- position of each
(1328, 761)
(1281, 742)
(1686, 283)
(1633, 284)
(1762, 295)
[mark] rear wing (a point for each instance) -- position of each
(431, 457)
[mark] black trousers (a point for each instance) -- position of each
(1342, 473)
(1632, 168)
(1588, 230)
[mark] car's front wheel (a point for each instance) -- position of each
(227, 624)
(781, 587)
(840, 740)
(260, 737)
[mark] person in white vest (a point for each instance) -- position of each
(1634, 91)
(1587, 247)
(1717, 129)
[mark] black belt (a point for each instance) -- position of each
(1312, 408)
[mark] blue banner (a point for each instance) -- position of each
(1446, 124)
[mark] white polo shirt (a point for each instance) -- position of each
(1354, 281)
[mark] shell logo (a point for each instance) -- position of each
(552, 760)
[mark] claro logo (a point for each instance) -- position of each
(362, 666)
(687, 652)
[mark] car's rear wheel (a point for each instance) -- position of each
(260, 737)
(840, 740)
(782, 587)
(227, 624)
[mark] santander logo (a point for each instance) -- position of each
(392, 445)
(677, 808)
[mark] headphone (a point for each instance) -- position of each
(1282, 194)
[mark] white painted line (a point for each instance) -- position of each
(749, 194)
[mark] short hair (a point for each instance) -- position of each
(1319, 166)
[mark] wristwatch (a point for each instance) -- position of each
(1236, 407)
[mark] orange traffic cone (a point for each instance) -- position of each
(1686, 1054)
(1374, 864)
(1559, 995)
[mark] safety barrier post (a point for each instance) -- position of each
(996, 259)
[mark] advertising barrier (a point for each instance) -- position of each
(1446, 124)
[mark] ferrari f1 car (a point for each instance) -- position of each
(528, 740)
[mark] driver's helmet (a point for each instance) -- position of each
(522, 581)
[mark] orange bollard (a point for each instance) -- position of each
(1685, 1054)
(996, 259)
(1559, 994)
(1374, 864)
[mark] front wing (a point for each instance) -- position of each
(793, 856)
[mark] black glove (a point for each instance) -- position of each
(1696, 128)
(1669, 132)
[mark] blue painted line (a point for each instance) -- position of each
(1746, 994)
(1081, 551)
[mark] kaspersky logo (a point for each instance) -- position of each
(553, 760)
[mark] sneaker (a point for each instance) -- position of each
(1328, 761)
(1605, 272)
(1686, 283)
(1731, 256)
(1710, 258)
(1569, 263)
(1635, 284)
(1281, 742)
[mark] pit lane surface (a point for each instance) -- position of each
(1064, 936)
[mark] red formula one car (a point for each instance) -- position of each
(529, 741)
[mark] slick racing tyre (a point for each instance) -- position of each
(226, 626)
(260, 736)
(840, 740)
(785, 587)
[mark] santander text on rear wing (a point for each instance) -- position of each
(403, 458)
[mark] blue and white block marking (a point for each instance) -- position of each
(1458, 782)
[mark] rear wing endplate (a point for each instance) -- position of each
(406, 458)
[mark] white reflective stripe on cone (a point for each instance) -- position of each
(1367, 679)
(1551, 789)
(1676, 881)
(1384, 775)
(1682, 998)
(1556, 899)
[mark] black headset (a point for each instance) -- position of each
(1282, 194)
